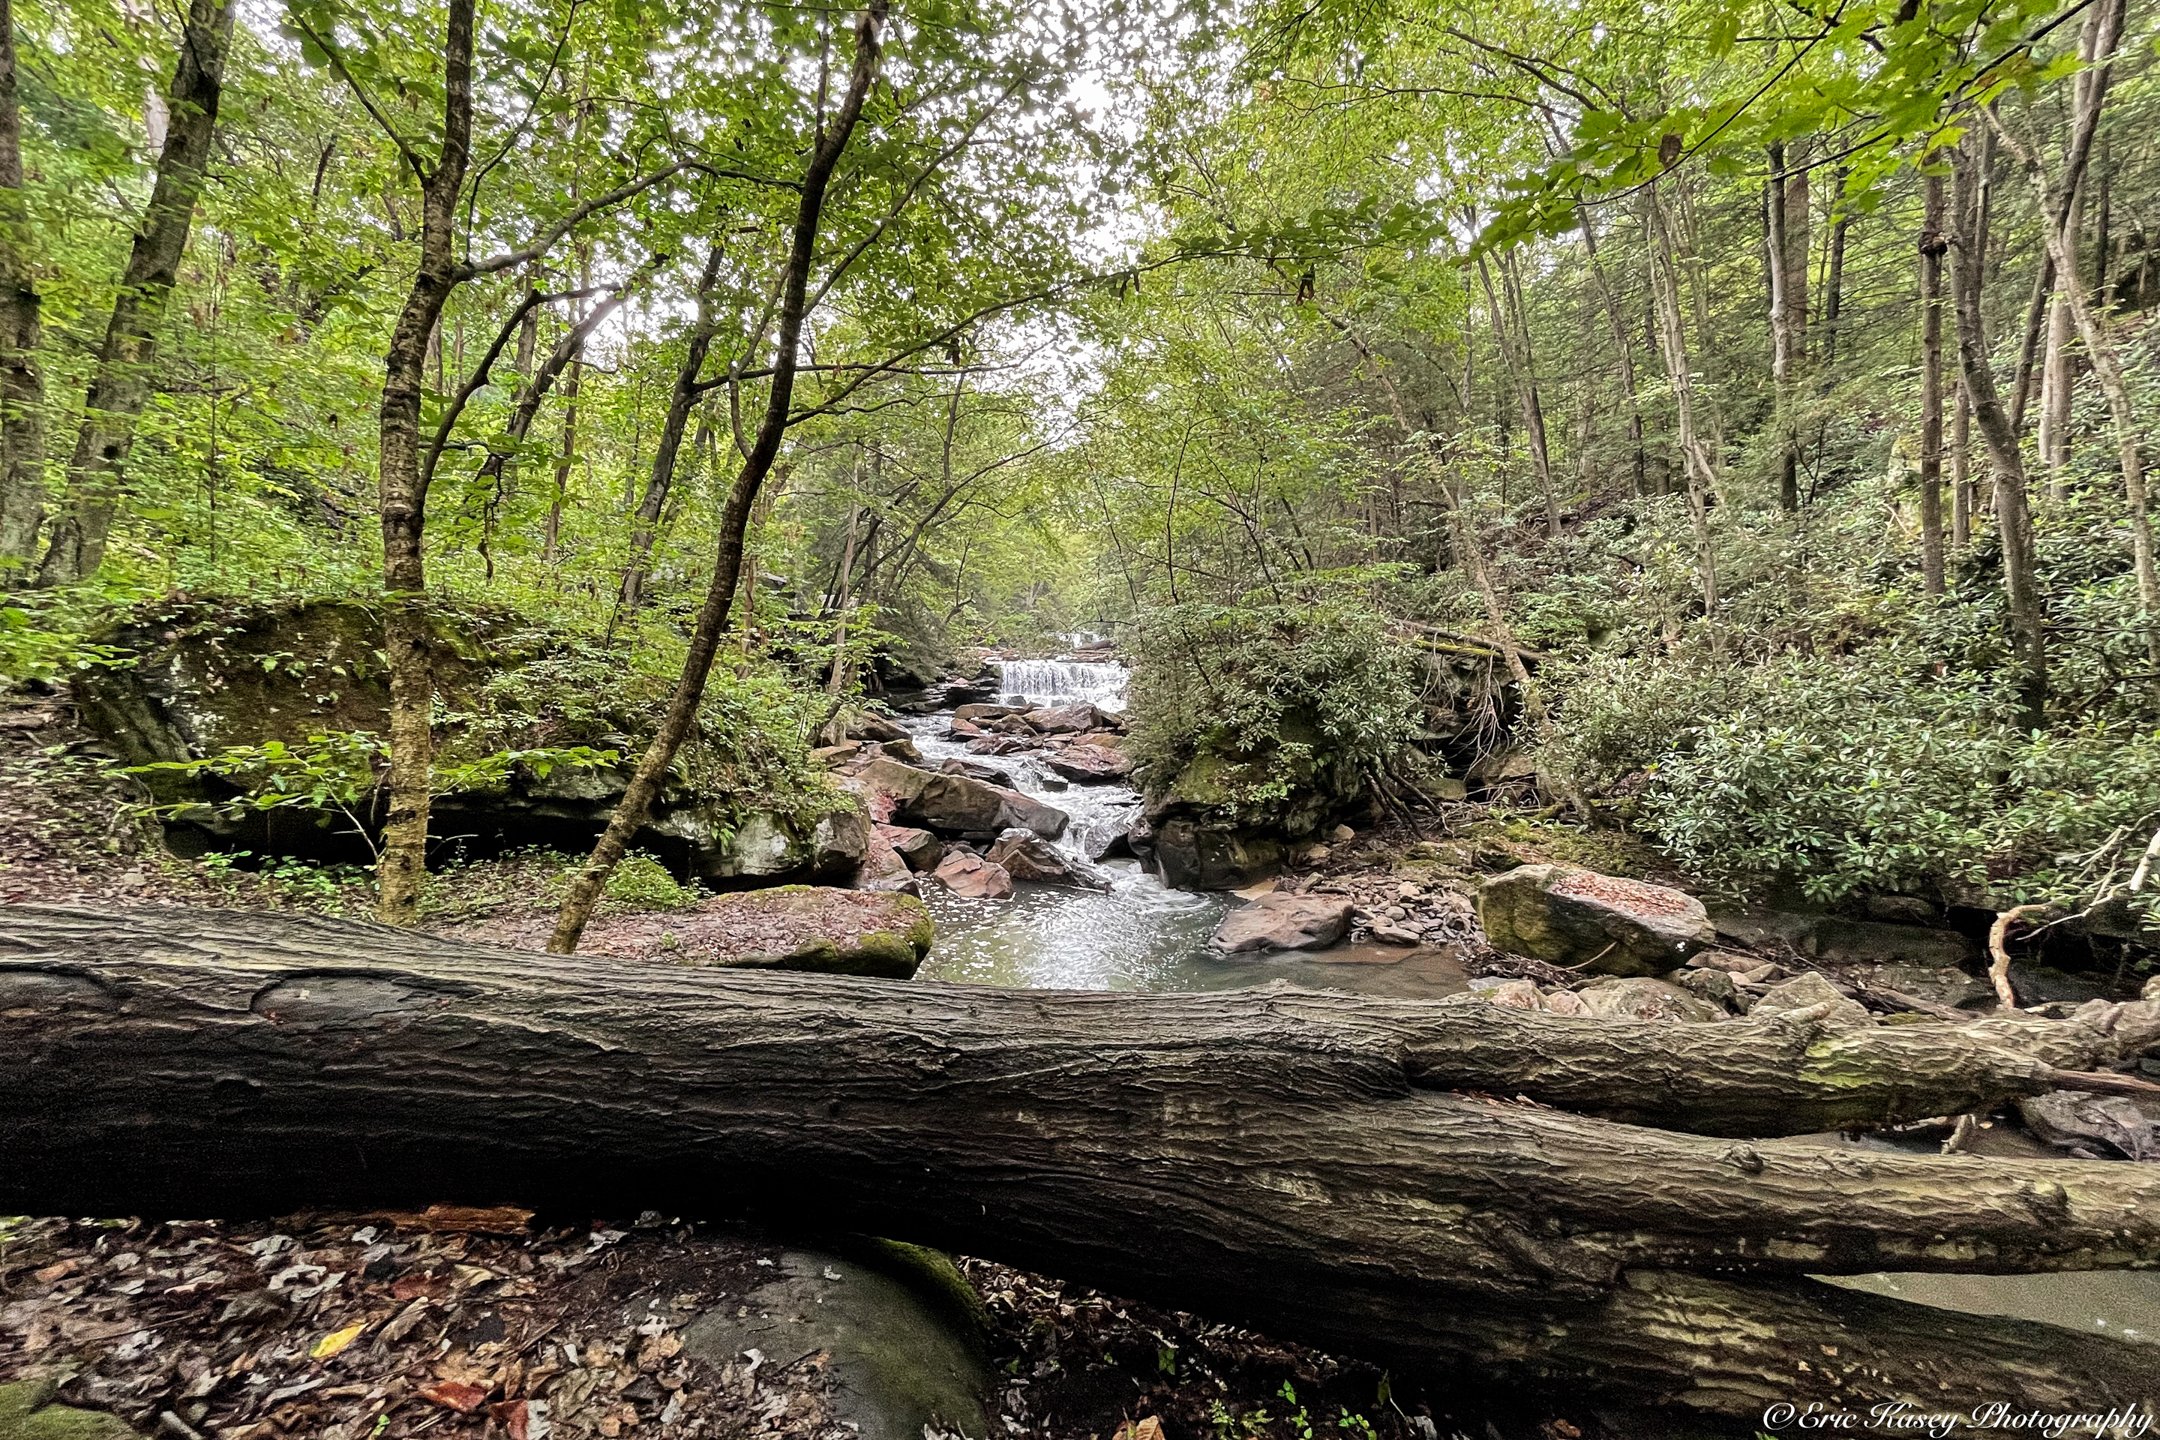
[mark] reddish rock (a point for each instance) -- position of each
(1283, 921)
(1027, 856)
(1602, 923)
(965, 873)
(920, 849)
(1089, 764)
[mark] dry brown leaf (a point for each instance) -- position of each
(454, 1395)
(1146, 1428)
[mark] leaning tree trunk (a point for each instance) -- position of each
(122, 383)
(1389, 1177)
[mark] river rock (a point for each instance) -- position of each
(1195, 855)
(919, 848)
(903, 1354)
(1638, 997)
(1064, 719)
(2100, 1127)
(1840, 940)
(964, 730)
(976, 769)
(976, 714)
(1283, 921)
(868, 725)
(1939, 983)
(1027, 856)
(950, 804)
(1585, 920)
(883, 868)
(965, 873)
(784, 927)
(1389, 933)
(1089, 764)
(1805, 991)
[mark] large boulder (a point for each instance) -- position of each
(208, 678)
(1027, 856)
(1064, 719)
(1088, 764)
(1283, 921)
(1600, 923)
(975, 809)
(783, 927)
(965, 873)
(1191, 854)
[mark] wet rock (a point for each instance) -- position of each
(2099, 1127)
(919, 848)
(1388, 933)
(1064, 719)
(977, 770)
(1088, 764)
(1515, 994)
(1641, 998)
(950, 804)
(1806, 991)
(1107, 839)
(868, 725)
(1283, 921)
(1601, 923)
(964, 730)
(965, 873)
(1001, 745)
(902, 750)
(1027, 856)
(906, 1357)
(883, 868)
(976, 714)
(1193, 855)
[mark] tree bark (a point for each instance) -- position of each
(1623, 355)
(1511, 333)
(1297, 1160)
(124, 378)
(1932, 244)
(2013, 520)
(22, 386)
(1787, 312)
(651, 774)
(1702, 470)
(645, 524)
(402, 864)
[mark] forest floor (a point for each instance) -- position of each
(478, 1324)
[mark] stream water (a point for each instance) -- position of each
(1144, 936)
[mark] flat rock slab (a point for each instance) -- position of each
(965, 873)
(901, 1357)
(1603, 924)
(1282, 921)
(786, 927)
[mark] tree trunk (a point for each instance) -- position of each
(402, 864)
(1961, 486)
(125, 375)
(645, 524)
(1833, 306)
(1289, 1159)
(1623, 354)
(651, 774)
(2013, 520)
(22, 387)
(1932, 244)
(1672, 340)
(1785, 309)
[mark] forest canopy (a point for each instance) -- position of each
(1753, 396)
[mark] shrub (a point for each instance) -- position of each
(1273, 714)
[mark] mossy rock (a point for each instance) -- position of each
(27, 1413)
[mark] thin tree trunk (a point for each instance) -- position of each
(402, 865)
(125, 375)
(1833, 306)
(22, 387)
(645, 523)
(1623, 354)
(651, 774)
(1961, 486)
(1702, 470)
(1777, 261)
(1932, 244)
(1511, 331)
(2013, 520)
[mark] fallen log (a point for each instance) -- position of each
(1307, 1163)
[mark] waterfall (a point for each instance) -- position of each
(1063, 682)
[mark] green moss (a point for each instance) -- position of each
(26, 1414)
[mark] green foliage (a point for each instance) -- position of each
(1271, 714)
(643, 883)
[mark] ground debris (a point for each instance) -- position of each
(375, 1327)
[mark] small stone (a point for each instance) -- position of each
(1342, 834)
(1388, 934)
(1807, 991)
(965, 873)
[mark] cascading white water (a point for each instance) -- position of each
(1064, 682)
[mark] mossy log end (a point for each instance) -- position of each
(1390, 1178)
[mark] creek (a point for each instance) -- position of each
(1144, 936)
